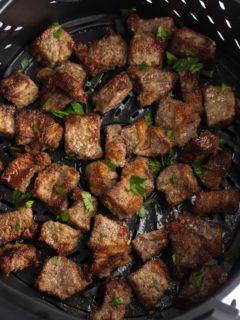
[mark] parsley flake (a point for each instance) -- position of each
(161, 32)
(149, 201)
(191, 64)
(129, 242)
(153, 283)
(18, 227)
(174, 258)
(19, 241)
(19, 149)
(223, 88)
(137, 185)
(173, 180)
(155, 165)
(55, 261)
(169, 159)
(71, 157)
(19, 196)
(143, 65)
(47, 102)
(60, 191)
(196, 278)
(142, 213)
(57, 33)
(24, 64)
(35, 129)
(29, 204)
(149, 119)
(115, 302)
(110, 165)
(169, 133)
(88, 201)
(63, 216)
(198, 170)
(74, 109)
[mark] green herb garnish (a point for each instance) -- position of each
(35, 129)
(29, 204)
(169, 158)
(19, 149)
(196, 278)
(24, 64)
(142, 212)
(55, 261)
(19, 196)
(137, 185)
(19, 241)
(155, 165)
(110, 165)
(198, 170)
(74, 109)
(149, 119)
(174, 258)
(153, 283)
(47, 102)
(191, 64)
(223, 88)
(63, 216)
(173, 180)
(71, 157)
(60, 191)
(115, 302)
(129, 242)
(88, 201)
(161, 33)
(169, 133)
(149, 201)
(143, 65)
(57, 33)
(18, 227)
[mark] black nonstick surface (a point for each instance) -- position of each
(159, 213)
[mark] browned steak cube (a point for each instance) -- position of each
(194, 242)
(108, 243)
(54, 99)
(53, 185)
(191, 91)
(7, 119)
(187, 42)
(116, 298)
(70, 78)
(17, 256)
(146, 48)
(150, 283)
(151, 83)
(104, 54)
(150, 244)
(226, 201)
(115, 147)
(44, 74)
(216, 167)
(179, 118)
(82, 136)
(219, 104)
(62, 278)
(20, 171)
(81, 212)
(200, 147)
(53, 46)
(201, 284)
(112, 93)
(37, 128)
(178, 183)
(17, 224)
(100, 177)
(19, 89)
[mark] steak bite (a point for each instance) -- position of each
(17, 224)
(19, 89)
(82, 136)
(150, 244)
(104, 54)
(18, 174)
(37, 128)
(108, 243)
(53, 185)
(187, 42)
(150, 282)
(54, 99)
(226, 201)
(17, 256)
(219, 104)
(53, 46)
(151, 83)
(7, 119)
(178, 183)
(116, 298)
(100, 177)
(62, 278)
(112, 93)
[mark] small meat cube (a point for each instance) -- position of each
(70, 77)
(116, 298)
(120, 201)
(17, 256)
(219, 104)
(216, 167)
(53, 185)
(62, 278)
(191, 91)
(100, 177)
(7, 121)
(53, 46)
(178, 183)
(194, 242)
(151, 83)
(200, 147)
(113, 93)
(54, 99)
(150, 283)
(150, 244)
(104, 54)
(135, 24)
(82, 136)
(19, 89)
(212, 277)
(80, 216)
(44, 74)
(115, 148)
(226, 201)
(146, 48)
(108, 243)
(132, 134)
(187, 42)
(20, 171)
(17, 224)
(37, 128)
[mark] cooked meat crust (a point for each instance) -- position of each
(115, 147)
(54, 99)
(7, 119)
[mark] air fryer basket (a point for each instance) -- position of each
(20, 22)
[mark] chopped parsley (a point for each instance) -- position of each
(71, 157)
(18, 227)
(137, 185)
(196, 278)
(74, 109)
(23, 64)
(173, 180)
(143, 65)
(47, 102)
(129, 242)
(19, 196)
(57, 33)
(60, 191)
(149, 119)
(110, 165)
(63, 216)
(149, 201)
(198, 170)
(29, 204)
(223, 88)
(153, 283)
(55, 261)
(169, 159)
(155, 165)
(142, 212)
(115, 302)
(35, 129)
(169, 133)
(161, 32)
(88, 201)
(19, 149)
(191, 64)
(174, 258)
(19, 241)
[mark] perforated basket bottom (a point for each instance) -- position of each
(159, 214)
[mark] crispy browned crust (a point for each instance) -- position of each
(54, 99)
(7, 119)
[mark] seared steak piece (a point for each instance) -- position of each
(108, 243)
(19, 89)
(54, 99)
(178, 183)
(7, 119)
(150, 244)
(62, 278)
(150, 283)
(104, 54)
(116, 298)
(82, 136)
(112, 93)
(17, 256)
